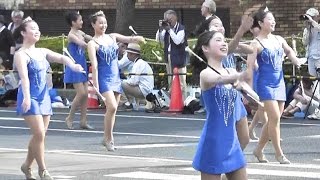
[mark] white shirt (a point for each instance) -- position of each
(145, 83)
(176, 38)
(124, 63)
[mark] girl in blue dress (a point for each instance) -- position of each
(76, 47)
(268, 52)
(219, 151)
(103, 55)
(33, 100)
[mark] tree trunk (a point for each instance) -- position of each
(125, 15)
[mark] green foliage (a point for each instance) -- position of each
(55, 44)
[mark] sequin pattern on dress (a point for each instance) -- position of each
(225, 99)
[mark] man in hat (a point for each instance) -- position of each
(137, 87)
(311, 39)
(7, 44)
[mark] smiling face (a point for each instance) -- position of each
(100, 25)
(31, 33)
(268, 23)
(217, 46)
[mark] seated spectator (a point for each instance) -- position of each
(137, 87)
(301, 100)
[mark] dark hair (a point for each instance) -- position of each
(196, 65)
(93, 18)
(17, 32)
(72, 16)
(259, 16)
(307, 83)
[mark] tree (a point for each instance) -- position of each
(124, 16)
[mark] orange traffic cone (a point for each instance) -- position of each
(92, 96)
(176, 103)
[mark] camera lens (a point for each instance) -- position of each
(303, 17)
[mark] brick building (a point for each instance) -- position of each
(49, 13)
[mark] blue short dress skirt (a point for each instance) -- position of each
(39, 93)
(78, 54)
(230, 62)
(270, 82)
(108, 69)
(219, 150)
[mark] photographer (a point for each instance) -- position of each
(173, 35)
(311, 39)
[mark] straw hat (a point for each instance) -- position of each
(133, 48)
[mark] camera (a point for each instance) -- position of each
(303, 17)
(164, 23)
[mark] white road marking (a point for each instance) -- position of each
(101, 132)
(284, 173)
(293, 165)
(150, 159)
(151, 175)
(64, 177)
(164, 118)
(144, 146)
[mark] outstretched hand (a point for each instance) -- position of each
(77, 68)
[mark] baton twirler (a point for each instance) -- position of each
(65, 50)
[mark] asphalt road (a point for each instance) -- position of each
(150, 146)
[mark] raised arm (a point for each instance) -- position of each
(245, 26)
(59, 58)
(127, 39)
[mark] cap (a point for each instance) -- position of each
(312, 12)
(133, 48)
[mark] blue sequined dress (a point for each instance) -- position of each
(108, 70)
(78, 54)
(270, 82)
(39, 93)
(219, 150)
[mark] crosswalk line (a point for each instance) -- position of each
(293, 165)
(283, 173)
(151, 175)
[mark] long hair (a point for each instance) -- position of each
(196, 65)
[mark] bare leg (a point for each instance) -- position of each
(258, 116)
(79, 100)
(205, 176)
(84, 107)
(240, 174)
(263, 140)
(112, 101)
(38, 126)
(243, 132)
